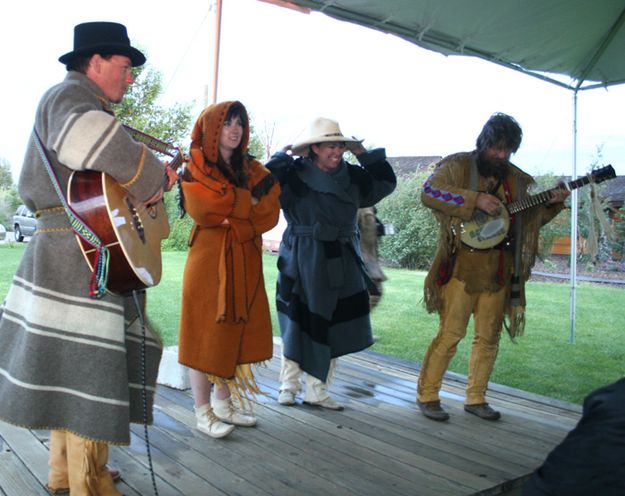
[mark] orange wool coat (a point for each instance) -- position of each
(225, 318)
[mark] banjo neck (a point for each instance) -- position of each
(545, 196)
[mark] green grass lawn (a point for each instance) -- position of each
(542, 361)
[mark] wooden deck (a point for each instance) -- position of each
(380, 444)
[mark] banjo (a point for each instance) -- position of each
(485, 231)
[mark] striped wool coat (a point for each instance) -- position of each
(68, 361)
(322, 295)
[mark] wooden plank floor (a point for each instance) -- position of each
(380, 444)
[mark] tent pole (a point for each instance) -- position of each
(573, 255)
(217, 42)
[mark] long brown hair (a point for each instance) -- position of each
(236, 172)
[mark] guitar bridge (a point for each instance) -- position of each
(136, 219)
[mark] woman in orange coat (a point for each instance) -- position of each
(225, 324)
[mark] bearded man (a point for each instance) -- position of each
(487, 281)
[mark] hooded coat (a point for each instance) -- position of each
(225, 318)
(68, 361)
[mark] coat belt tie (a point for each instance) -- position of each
(234, 273)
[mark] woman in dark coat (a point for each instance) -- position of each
(323, 288)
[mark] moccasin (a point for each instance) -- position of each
(483, 410)
(286, 397)
(328, 403)
(433, 410)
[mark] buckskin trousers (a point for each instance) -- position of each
(487, 309)
(79, 465)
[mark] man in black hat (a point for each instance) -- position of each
(68, 362)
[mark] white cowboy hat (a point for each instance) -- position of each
(321, 130)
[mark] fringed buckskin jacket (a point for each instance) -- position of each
(323, 296)
(449, 194)
(68, 361)
(225, 319)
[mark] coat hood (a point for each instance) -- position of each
(206, 133)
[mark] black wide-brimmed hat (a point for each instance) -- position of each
(105, 38)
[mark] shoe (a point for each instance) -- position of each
(328, 403)
(483, 410)
(286, 397)
(226, 412)
(433, 410)
(209, 424)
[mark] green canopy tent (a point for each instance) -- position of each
(575, 44)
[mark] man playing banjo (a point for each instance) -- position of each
(475, 278)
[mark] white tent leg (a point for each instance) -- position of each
(573, 255)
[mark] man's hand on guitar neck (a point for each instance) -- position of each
(558, 194)
(170, 178)
(488, 203)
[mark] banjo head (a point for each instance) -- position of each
(485, 231)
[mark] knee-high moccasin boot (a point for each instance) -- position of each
(58, 482)
(86, 463)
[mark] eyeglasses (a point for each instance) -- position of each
(125, 68)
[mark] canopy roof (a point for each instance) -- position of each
(577, 44)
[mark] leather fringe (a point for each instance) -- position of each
(243, 386)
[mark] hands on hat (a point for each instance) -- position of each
(355, 147)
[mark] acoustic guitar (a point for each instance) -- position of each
(131, 230)
(485, 231)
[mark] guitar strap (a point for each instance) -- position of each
(508, 196)
(99, 276)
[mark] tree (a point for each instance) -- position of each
(6, 177)
(9, 198)
(266, 138)
(414, 242)
(139, 109)
(559, 226)
(255, 147)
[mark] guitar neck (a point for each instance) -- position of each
(151, 142)
(159, 146)
(176, 161)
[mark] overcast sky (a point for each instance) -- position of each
(288, 68)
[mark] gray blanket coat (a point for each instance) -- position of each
(322, 292)
(68, 361)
